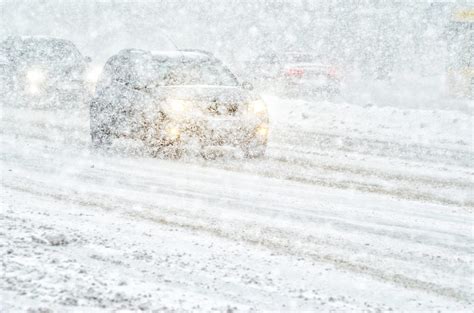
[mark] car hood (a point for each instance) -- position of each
(206, 93)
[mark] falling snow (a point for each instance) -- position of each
(236, 156)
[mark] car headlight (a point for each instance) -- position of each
(92, 74)
(177, 106)
(172, 131)
(262, 131)
(33, 89)
(257, 107)
(35, 76)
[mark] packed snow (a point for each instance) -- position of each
(320, 223)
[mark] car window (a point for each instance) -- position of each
(129, 69)
(45, 51)
(145, 70)
(205, 73)
(116, 68)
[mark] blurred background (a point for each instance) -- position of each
(401, 46)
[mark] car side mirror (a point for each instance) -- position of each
(88, 59)
(247, 86)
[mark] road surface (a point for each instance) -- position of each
(333, 218)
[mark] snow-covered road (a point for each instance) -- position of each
(335, 217)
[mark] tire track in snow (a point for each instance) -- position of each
(208, 193)
(277, 167)
(123, 169)
(279, 240)
(377, 147)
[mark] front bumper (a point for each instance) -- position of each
(232, 132)
(75, 91)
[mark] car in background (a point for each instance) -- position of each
(460, 57)
(295, 74)
(44, 69)
(176, 101)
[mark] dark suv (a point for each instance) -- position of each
(170, 101)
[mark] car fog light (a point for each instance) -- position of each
(172, 132)
(262, 131)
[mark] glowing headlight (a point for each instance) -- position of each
(172, 132)
(262, 131)
(35, 76)
(33, 89)
(257, 107)
(178, 106)
(92, 74)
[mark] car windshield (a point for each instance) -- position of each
(45, 51)
(146, 71)
(202, 73)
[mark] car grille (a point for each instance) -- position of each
(216, 108)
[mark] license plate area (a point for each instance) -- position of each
(224, 131)
(223, 124)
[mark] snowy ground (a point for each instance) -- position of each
(355, 207)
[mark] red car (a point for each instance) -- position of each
(295, 73)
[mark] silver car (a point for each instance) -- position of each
(172, 101)
(43, 69)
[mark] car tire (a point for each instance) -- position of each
(100, 138)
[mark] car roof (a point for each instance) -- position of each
(195, 55)
(284, 53)
(37, 38)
